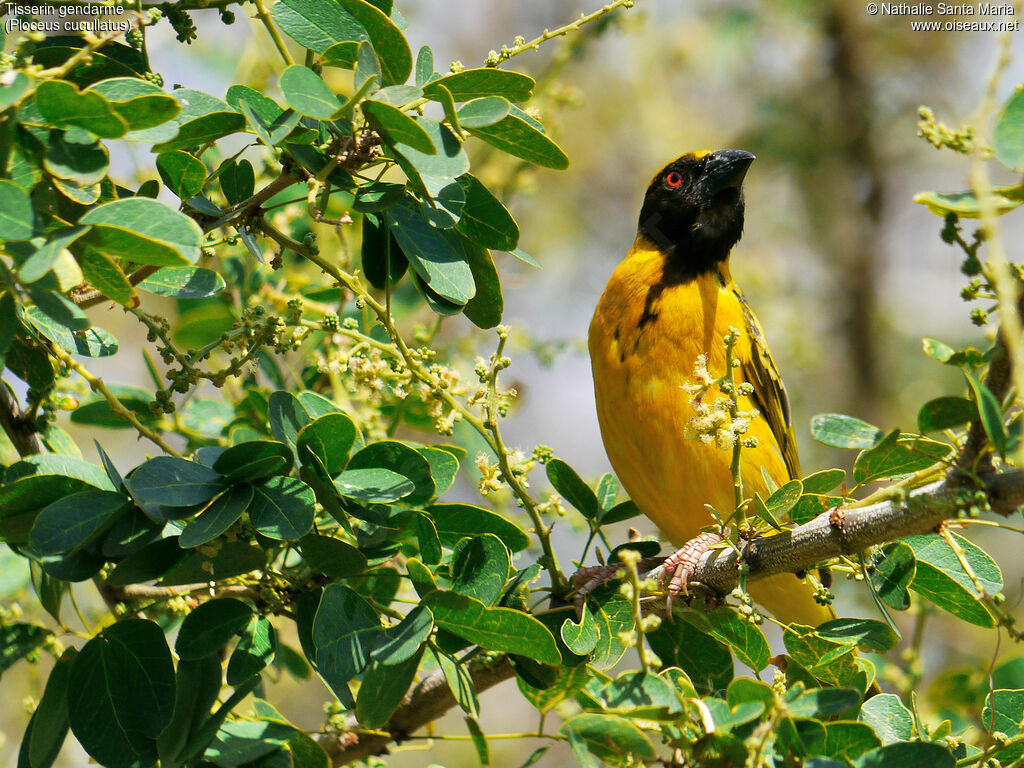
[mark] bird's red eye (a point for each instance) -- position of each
(673, 179)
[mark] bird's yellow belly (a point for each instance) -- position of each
(644, 413)
(639, 369)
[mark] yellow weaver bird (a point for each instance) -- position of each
(671, 300)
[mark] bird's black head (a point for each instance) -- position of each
(693, 209)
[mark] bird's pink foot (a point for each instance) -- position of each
(683, 563)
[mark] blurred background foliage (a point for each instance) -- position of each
(844, 271)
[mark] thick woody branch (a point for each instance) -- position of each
(427, 701)
(20, 429)
(847, 531)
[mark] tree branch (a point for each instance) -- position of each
(845, 531)
(426, 702)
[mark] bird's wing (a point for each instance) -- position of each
(769, 394)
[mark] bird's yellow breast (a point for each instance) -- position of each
(645, 338)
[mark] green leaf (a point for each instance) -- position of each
(330, 438)
(383, 689)
(893, 575)
(346, 631)
(282, 508)
(846, 739)
(624, 510)
(253, 460)
(568, 682)
(198, 684)
(89, 342)
(426, 536)
(173, 482)
(484, 219)
(945, 413)
(183, 282)
(842, 431)
(405, 638)
(424, 65)
(445, 204)
(867, 634)
(966, 204)
(824, 702)
(910, 754)
(707, 661)
(74, 521)
(217, 518)
(991, 414)
(1008, 134)
(890, 719)
(287, 416)
(436, 169)
(239, 742)
(237, 181)
(1002, 712)
(581, 638)
(139, 103)
(63, 105)
(307, 93)
(941, 578)
(780, 503)
(726, 717)
(515, 136)
(443, 467)
(640, 694)
(17, 216)
(96, 410)
(50, 721)
(497, 629)
(399, 459)
(454, 521)
(331, 557)
(207, 127)
(376, 485)
(121, 693)
(937, 350)
(389, 43)
(54, 256)
(613, 739)
(745, 639)
(487, 81)
(897, 455)
(76, 156)
(459, 682)
(182, 173)
(254, 651)
(208, 628)
(367, 76)
(613, 615)
(480, 568)
(271, 123)
(143, 231)
(397, 126)
(482, 112)
(317, 24)
(571, 486)
(105, 274)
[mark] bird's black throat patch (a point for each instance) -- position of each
(694, 240)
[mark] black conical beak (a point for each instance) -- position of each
(725, 169)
